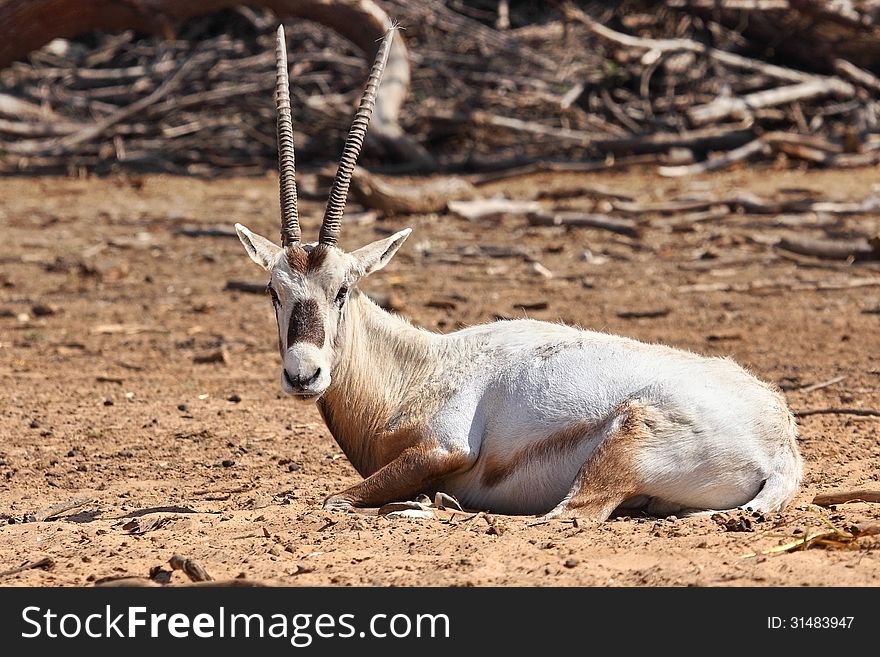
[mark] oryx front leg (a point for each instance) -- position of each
(609, 476)
(415, 470)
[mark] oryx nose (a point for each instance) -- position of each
(302, 381)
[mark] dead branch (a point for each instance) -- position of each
(722, 107)
(844, 497)
(744, 152)
(859, 412)
(822, 384)
(858, 75)
(46, 563)
(246, 286)
(388, 197)
(626, 227)
(491, 207)
(57, 509)
(835, 249)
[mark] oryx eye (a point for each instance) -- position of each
(340, 296)
(274, 295)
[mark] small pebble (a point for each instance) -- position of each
(234, 398)
(228, 463)
(570, 563)
(108, 402)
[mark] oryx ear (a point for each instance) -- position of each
(261, 250)
(376, 255)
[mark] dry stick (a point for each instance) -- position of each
(758, 286)
(833, 410)
(16, 108)
(45, 562)
(43, 129)
(828, 248)
(823, 384)
(721, 136)
(683, 221)
(856, 74)
(420, 197)
(739, 5)
(57, 509)
(603, 222)
(664, 207)
(558, 167)
(246, 286)
(723, 107)
(737, 154)
(479, 117)
(206, 231)
(618, 113)
(826, 499)
(491, 207)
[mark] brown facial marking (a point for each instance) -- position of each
(305, 324)
(303, 262)
(562, 441)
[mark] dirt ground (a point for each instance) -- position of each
(106, 313)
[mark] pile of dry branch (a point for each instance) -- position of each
(691, 84)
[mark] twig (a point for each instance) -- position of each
(46, 563)
(726, 106)
(836, 249)
(57, 509)
(823, 384)
(480, 117)
(856, 74)
(833, 410)
(206, 231)
(717, 137)
(626, 227)
(844, 497)
(246, 286)
(491, 207)
(543, 166)
(713, 164)
(769, 285)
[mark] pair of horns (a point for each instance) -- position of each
(290, 232)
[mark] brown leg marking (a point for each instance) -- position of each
(608, 477)
(415, 470)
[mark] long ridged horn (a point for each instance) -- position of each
(353, 143)
(290, 233)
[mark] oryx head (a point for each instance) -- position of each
(310, 282)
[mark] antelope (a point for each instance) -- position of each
(517, 417)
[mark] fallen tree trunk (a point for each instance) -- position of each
(29, 24)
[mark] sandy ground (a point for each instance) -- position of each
(105, 313)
